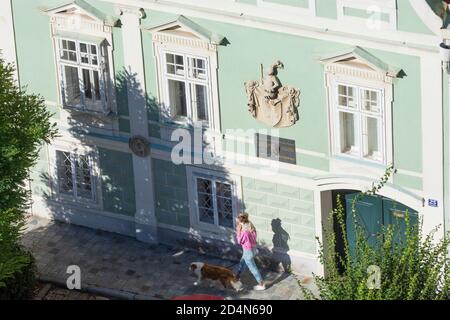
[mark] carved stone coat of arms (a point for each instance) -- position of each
(270, 102)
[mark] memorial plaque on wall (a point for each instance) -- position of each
(274, 148)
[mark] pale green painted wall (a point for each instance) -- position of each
(117, 185)
(294, 3)
(35, 53)
(408, 181)
(39, 175)
(264, 200)
(171, 198)
(363, 13)
(253, 2)
(408, 19)
(326, 9)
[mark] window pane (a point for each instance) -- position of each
(170, 58)
(197, 68)
(372, 148)
(201, 98)
(83, 47)
(68, 51)
(84, 183)
(84, 58)
(205, 201)
(177, 96)
(171, 68)
(72, 56)
(97, 86)
(224, 204)
(65, 55)
(371, 101)
(179, 60)
(93, 49)
(347, 133)
(72, 86)
(71, 45)
(87, 84)
(64, 164)
(175, 64)
(346, 96)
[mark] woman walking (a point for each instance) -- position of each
(246, 237)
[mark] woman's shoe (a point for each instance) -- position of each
(259, 287)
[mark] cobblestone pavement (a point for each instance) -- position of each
(47, 291)
(121, 263)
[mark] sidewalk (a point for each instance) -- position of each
(119, 264)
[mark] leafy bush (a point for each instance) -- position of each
(416, 268)
(20, 285)
(24, 127)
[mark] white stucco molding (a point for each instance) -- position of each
(423, 10)
(390, 191)
(121, 10)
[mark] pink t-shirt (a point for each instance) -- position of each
(247, 239)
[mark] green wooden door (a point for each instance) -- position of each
(372, 212)
(369, 213)
(395, 213)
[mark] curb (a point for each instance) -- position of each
(106, 292)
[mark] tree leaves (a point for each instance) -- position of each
(24, 126)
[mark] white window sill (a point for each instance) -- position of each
(76, 202)
(84, 110)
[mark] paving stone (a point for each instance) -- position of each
(117, 262)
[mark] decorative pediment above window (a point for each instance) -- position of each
(185, 32)
(82, 37)
(80, 16)
(360, 63)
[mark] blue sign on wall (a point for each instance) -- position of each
(433, 203)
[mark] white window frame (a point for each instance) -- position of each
(188, 81)
(210, 56)
(192, 174)
(100, 68)
(74, 157)
(359, 115)
(74, 149)
(372, 82)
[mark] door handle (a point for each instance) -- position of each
(399, 214)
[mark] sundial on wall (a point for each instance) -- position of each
(272, 103)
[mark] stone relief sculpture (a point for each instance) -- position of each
(272, 103)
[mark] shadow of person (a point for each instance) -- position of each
(280, 246)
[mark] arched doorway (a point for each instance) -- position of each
(371, 212)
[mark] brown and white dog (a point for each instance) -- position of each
(211, 272)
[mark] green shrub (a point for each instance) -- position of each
(416, 268)
(21, 284)
(24, 127)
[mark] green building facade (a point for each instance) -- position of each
(157, 141)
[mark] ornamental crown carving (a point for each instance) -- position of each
(272, 103)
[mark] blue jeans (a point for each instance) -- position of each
(248, 260)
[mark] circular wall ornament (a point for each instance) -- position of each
(139, 146)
